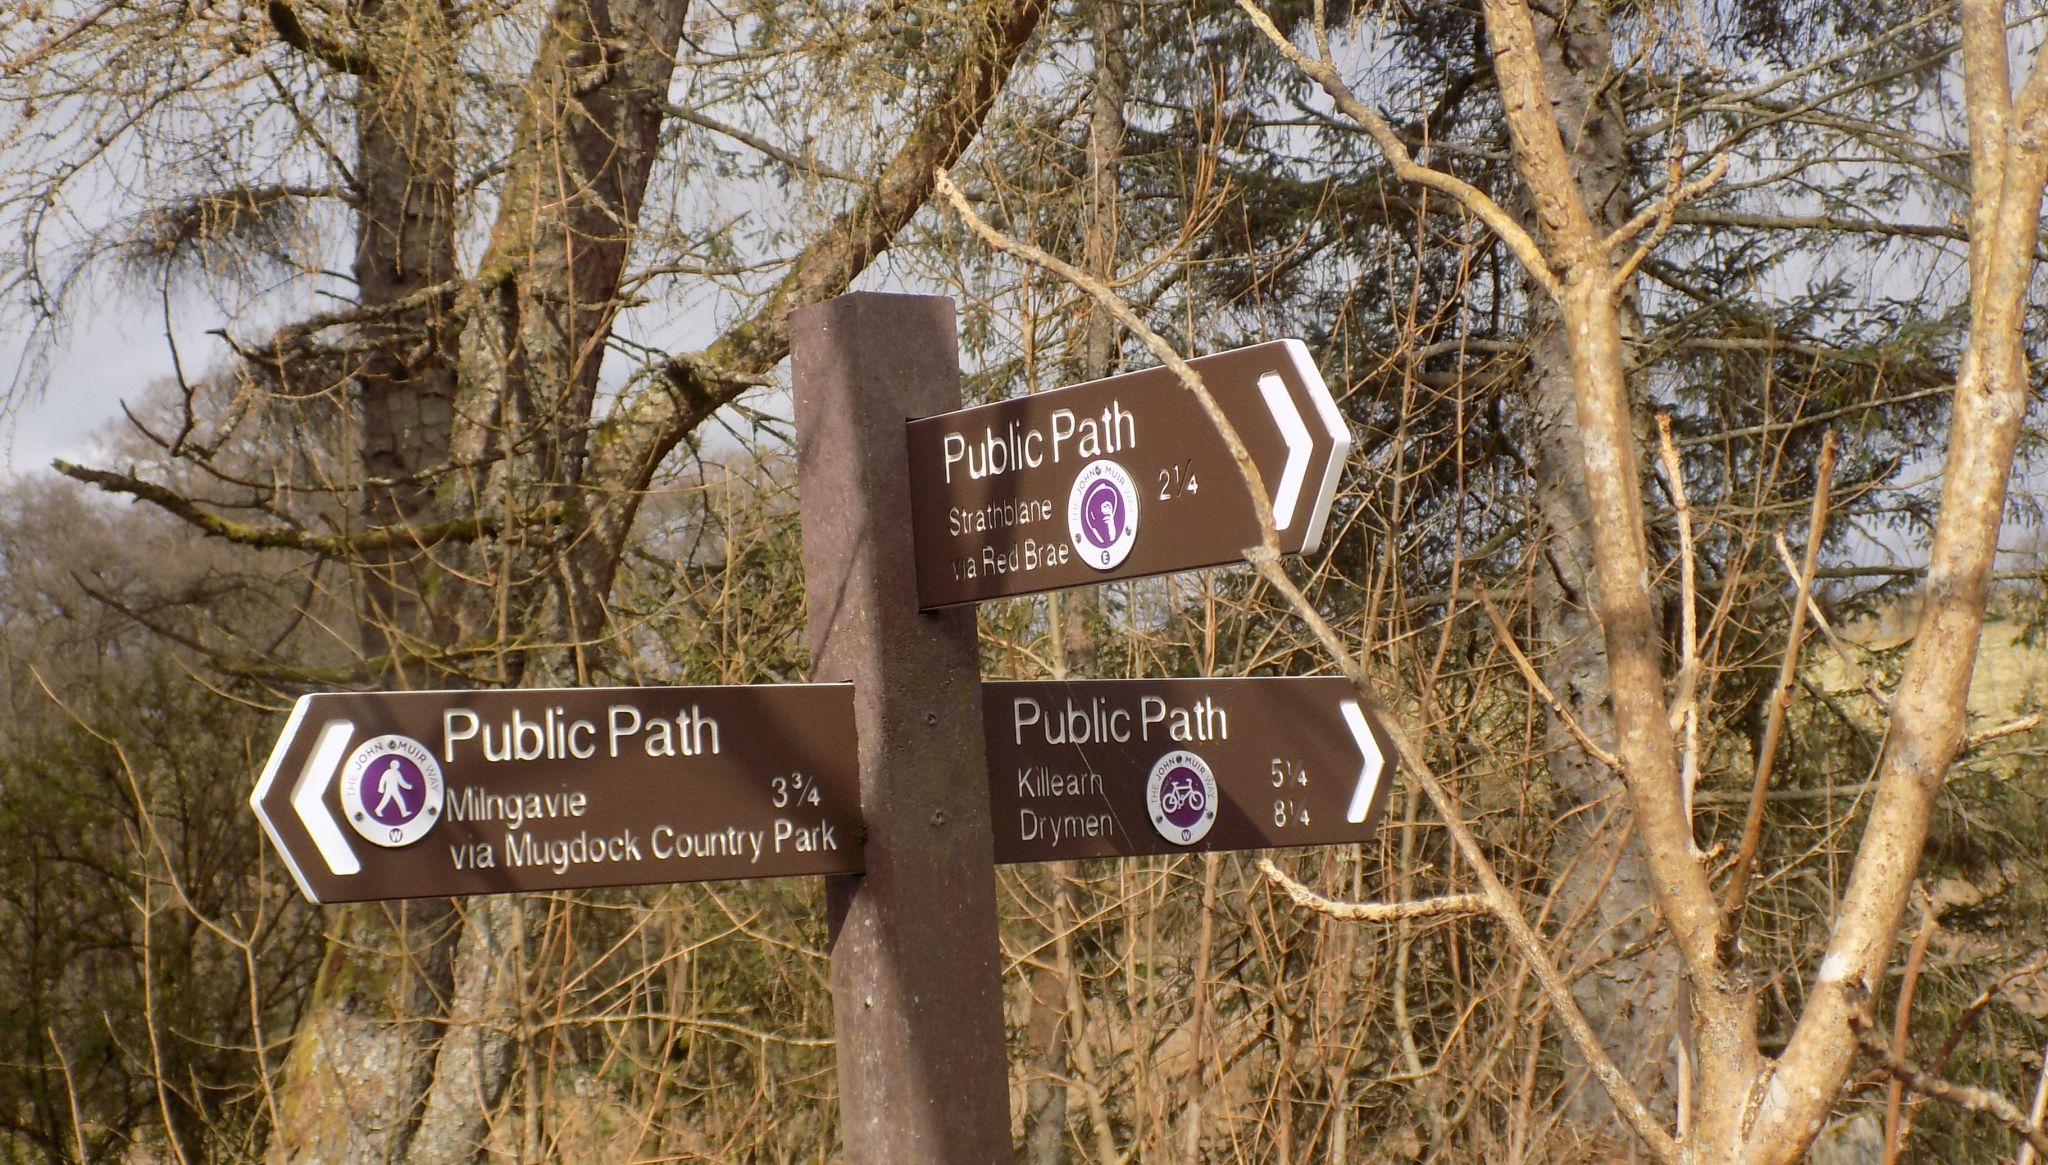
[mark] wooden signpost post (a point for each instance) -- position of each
(1116, 479)
(916, 969)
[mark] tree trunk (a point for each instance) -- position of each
(413, 1031)
(1607, 898)
(405, 249)
(364, 1059)
(1050, 1025)
(580, 166)
(2008, 139)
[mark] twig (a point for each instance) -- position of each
(1970, 1012)
(1685, 710)
(278, 537)
(793, 161)
(335, 55)
(1895, 1093)
(1437, 907)
(1724, 436)
(1485, 209)
(1737, 893)
(1156, 344)
(1977, 740)
(1557, 708)
(2026, 1156)
(1969, 1098)
(1681, 507)
(70, 1094)
(1821, 793)
(1660, 214)
(1841, 649)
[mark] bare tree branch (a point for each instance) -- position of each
(1438, 907)
(342, 59)
(1967, 1097)
(1534, 679)
(630, 445)
(279, 537)
(2009, 164)
(644, 429)
(1473, 199)
(757, 142)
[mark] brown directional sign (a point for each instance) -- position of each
(1119, 768)
(1120, 478)
(415, 794)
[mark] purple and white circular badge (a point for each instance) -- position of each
(1180, 797)
(1102, 514)
(391, 790)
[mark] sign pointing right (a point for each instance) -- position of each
(1121, 478)
(1119, 768)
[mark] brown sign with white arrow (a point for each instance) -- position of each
(1119, 768)
(1121, 478)
(379, 795)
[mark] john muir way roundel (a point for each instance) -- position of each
(391, 790)
(1102, 514)
(1181, 797)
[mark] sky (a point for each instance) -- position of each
(112, 356)
(117, 352)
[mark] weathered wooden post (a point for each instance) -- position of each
(916, 969)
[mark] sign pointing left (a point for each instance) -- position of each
(380, 795)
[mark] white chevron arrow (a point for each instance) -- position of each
(312, 786)
(1369, 772)
(308, 792)
(1294, 430)
(1299, 444)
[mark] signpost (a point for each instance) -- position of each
(1120, 478)
(1119, 768)
(440, 794)
(433, 794)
